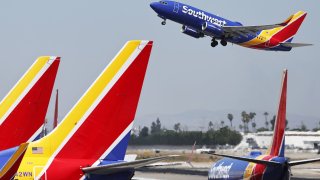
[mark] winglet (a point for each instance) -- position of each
(278, 142)
(284, 23)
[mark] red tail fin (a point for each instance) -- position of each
(98, 126)
(278, 141)
(55, 120)
(23, 110)
(292, 25)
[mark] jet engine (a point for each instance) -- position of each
(191, 32)
(212, 29)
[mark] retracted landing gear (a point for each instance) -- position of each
(214, 42)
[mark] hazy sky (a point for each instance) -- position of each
(183, 74)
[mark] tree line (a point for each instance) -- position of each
(248, 118)
(157, 135)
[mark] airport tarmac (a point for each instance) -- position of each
(170, 176)
(200, 170)
(177, 169)
(166, 176)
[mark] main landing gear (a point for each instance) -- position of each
(163, 22)
(214, 42)
(223, 42)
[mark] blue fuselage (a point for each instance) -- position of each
(233, 169)
(194, 19)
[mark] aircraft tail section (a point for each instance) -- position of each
(55, 118)
(98, 126)
(290, 27)
(278, 141)
(23, 110)
(10, 160)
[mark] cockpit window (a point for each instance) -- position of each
(163, 2)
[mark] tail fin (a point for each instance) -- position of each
(290, 27)
(101, 120)
(23, 110)
(55, 119)
(278, 142)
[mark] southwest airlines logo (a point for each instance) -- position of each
(220, 171)
(203, 16)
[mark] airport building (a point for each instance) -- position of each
(294, 140)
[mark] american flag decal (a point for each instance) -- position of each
(37, 150)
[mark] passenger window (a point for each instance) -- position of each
(164, 3)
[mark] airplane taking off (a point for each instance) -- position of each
(198, 24)
(23, 109)
(91, 141)
(272, 165)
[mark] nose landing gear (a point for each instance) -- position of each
(163, 22)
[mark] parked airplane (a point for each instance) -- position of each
(198, 23)
(91, 141)
(23, 109)
(272, 165)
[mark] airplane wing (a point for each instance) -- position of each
(268, 163)
(293, 45)
(294, 163)
(244, 30)
(122, 166)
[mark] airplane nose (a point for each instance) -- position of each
(154, 5)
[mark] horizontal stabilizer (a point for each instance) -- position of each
(257, 161)
(288, 44)
(123, 166)
(294, 163)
